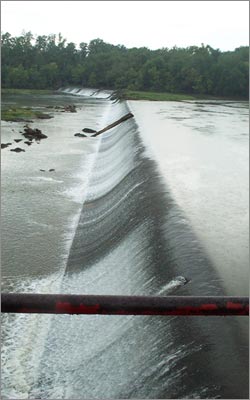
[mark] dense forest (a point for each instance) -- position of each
(49, 62)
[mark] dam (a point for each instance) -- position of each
(129, 236)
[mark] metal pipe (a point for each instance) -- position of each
(123, 305)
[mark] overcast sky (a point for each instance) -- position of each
(153, 24)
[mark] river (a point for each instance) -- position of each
(160, 198)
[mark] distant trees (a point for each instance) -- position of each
(50, 62)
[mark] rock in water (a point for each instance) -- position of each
(17, 150)
(88, 130)
(3, 145)
(36, 134)
(80, 135)
(70, 108)
(44, 116)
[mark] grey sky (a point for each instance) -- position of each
(153, 24)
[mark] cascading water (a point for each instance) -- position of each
(86, 92)
(132, 239)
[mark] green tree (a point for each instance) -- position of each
(49, 61)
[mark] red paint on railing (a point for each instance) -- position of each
(123, 305)
(67, 308)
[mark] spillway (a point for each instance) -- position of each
(133, 239)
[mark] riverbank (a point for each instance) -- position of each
(24, 114)
(26, 91)
(157, 96)
(20, 105)
(125, 94)
(19, 113)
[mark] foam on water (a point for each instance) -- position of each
(173, 285)
(24, 339)
(45, 178)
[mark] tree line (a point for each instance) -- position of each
(49, 62)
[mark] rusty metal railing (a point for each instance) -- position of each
(123, 305)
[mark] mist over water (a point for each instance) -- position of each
(129, 236)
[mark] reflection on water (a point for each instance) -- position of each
(131, 237)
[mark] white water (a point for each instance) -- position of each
(86, 92)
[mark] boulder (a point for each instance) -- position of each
(70, 108)
(88, 130)
(17, 150)
(44, 116)
(36, 134)
(4, 145)
(80, 135)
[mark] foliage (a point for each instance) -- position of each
(25, 91)
(22, 114)
(49, 62)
